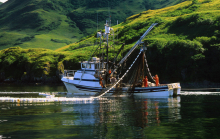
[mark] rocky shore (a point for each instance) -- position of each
(202, 84)
(31, 79)
(45, 80)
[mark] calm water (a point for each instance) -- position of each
(191, 115)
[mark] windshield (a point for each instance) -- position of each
(86, 65)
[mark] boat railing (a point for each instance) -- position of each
(69, 73)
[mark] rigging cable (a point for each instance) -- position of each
(101, 94)
(148, 70)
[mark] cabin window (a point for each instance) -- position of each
(85, 65)
(96, 66)
(88, 66)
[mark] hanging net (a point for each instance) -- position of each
(133, 76)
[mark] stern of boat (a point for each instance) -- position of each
(174, 89)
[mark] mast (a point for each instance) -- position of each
(107, 31)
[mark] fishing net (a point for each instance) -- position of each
(134, 76)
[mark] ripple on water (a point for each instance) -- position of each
(199, 93)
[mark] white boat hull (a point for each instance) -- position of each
(73, 89)
(160, 91)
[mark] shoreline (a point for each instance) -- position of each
(31, 83)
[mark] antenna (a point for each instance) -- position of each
(109, 15)
(117, 30)
(97, 20)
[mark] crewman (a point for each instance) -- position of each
(156, 78)
(145, 80)
(113, 79)
(100, 81)
(109, 71)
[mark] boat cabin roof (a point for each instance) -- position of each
(94, 64)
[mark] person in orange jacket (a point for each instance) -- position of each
(100, 81)
(109, 71)
(145, 80)
(156, 78)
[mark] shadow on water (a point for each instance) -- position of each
(201, 89)
(200, 116)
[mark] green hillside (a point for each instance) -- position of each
(55, 23)
(184, 46)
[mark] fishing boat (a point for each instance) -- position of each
(96, 77)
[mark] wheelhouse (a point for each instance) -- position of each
(94, 64)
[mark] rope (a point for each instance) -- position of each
(137, 74)
(148, 71)
(120, 78)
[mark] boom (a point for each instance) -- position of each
(138, 42)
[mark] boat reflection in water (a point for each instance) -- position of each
(109, 112)
(140, 112)
(106, 117)
(137, 111)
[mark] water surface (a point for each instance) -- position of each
(194, 114)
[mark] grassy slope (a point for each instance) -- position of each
(45, 25)
(184, 46)
(141, 20)
(185, 42)
(34, 23)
